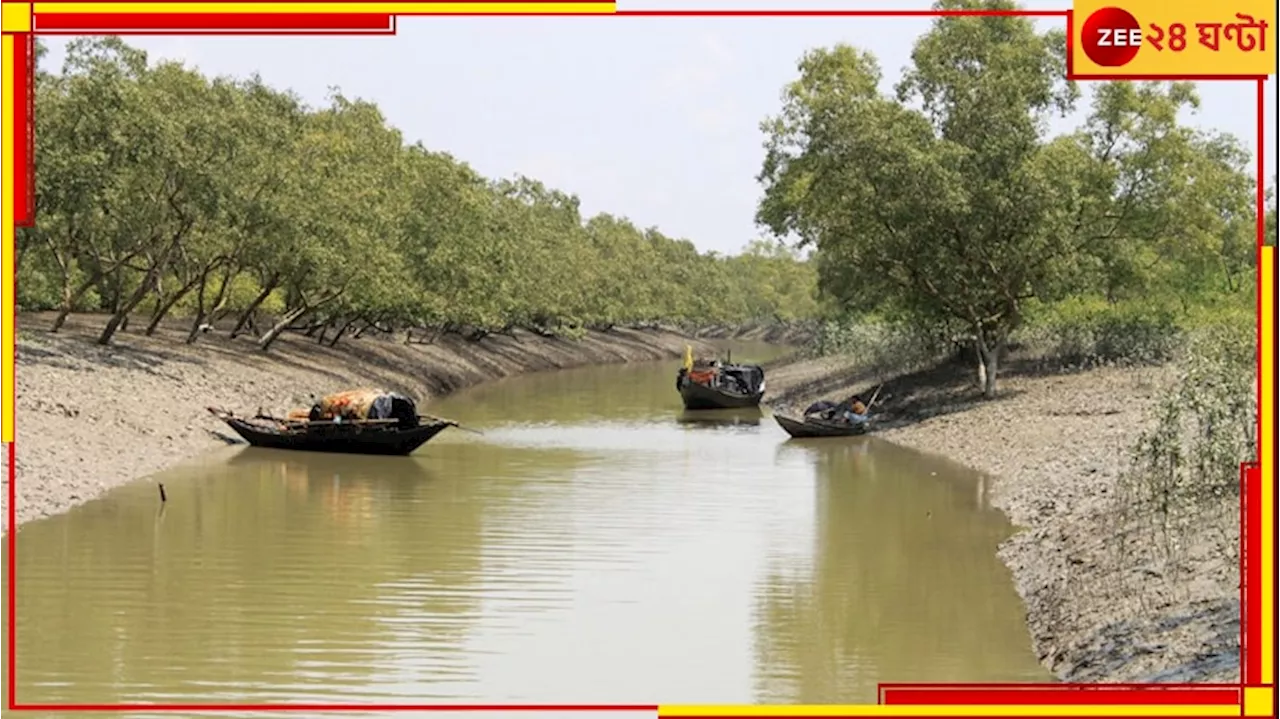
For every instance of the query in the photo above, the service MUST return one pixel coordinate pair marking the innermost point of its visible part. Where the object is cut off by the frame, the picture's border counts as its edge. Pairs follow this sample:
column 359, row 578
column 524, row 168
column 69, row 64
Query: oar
column 873, row 397
column 455, row 424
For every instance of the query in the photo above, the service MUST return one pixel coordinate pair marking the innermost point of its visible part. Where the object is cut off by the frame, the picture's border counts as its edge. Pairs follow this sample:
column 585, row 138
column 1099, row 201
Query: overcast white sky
column 655, row 119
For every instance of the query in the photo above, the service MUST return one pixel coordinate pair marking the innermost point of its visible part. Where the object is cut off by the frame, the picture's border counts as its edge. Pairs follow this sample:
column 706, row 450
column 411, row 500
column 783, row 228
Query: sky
column 655, row 119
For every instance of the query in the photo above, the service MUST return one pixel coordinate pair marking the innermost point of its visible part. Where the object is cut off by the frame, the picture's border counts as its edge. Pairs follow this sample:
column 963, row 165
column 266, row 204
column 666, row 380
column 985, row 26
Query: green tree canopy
column 164, row 191
column 948, row 203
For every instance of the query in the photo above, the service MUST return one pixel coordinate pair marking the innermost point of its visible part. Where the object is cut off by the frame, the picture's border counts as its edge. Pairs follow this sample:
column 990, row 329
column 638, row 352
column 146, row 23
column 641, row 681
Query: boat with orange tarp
column 364, row 421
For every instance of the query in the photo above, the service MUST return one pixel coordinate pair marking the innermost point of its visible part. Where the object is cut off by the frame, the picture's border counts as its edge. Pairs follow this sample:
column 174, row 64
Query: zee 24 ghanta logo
column 1112, row 37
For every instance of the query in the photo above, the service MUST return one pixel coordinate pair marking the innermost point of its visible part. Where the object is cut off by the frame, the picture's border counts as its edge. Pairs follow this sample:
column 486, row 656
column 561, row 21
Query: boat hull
column 700, row 396
column 820, row 428
column 341, row 439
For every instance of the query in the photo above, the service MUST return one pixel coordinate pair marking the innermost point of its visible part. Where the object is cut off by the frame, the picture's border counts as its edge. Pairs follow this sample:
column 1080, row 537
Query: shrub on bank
column 1079, row 332
column 1206, row 423
column 1088, row 332
column 876, row 343
column 1181, row 488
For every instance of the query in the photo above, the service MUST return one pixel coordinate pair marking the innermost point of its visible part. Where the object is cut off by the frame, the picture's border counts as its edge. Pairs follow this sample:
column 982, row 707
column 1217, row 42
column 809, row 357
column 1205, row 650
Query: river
column 596, row 545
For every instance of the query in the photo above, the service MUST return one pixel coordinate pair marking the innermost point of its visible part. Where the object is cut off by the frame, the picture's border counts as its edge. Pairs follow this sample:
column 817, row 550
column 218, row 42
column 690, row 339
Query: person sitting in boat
column 854, row 411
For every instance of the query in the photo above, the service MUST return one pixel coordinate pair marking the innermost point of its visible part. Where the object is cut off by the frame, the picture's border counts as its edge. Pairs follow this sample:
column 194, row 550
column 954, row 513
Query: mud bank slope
column 1106, row 601
column 90, row 418
column 792, row 334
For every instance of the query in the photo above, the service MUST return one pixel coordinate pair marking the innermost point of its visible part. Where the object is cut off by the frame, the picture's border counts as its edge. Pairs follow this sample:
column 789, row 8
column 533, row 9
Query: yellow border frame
column 8, row 294
column 394, row 8
column 390, row 8
column 1267, row 467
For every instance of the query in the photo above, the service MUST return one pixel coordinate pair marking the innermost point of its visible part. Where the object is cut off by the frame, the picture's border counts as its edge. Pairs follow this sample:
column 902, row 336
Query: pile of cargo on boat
column 359, row 421
column 710, row 384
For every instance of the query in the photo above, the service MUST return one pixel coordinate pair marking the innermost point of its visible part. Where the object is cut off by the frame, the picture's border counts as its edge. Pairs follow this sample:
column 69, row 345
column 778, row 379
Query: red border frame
column 891, row 694
column 1074, row 694
column 273, row 23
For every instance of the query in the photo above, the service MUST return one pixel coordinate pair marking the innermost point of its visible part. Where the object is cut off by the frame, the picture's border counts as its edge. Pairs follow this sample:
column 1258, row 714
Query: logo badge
column 1111, row 37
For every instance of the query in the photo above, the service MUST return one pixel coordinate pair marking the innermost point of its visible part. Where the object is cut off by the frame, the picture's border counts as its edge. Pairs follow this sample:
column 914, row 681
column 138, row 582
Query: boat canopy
column 368, row 404
column 749, row 375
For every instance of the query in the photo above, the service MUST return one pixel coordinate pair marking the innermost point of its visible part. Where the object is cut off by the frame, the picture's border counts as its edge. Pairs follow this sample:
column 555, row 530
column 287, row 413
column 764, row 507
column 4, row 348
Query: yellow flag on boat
column 688, row 356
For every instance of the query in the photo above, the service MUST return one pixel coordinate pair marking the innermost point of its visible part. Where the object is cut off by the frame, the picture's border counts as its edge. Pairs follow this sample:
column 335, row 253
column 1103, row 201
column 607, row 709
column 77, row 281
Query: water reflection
column 719, row 418
column 635, row 392
column 271, row 575
column 901, row 583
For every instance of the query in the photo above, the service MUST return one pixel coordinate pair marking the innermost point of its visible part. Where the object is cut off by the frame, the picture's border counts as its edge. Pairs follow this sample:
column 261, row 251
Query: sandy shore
column 91, row 418
column 1105, row 601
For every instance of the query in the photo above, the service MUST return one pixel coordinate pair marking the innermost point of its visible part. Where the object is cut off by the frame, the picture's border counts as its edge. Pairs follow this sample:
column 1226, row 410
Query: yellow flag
column 688, row 356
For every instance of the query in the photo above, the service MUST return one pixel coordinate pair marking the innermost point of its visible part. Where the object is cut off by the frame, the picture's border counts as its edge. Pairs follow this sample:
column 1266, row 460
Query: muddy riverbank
column 1107, row 600
column 90, row 418
column 791, row 334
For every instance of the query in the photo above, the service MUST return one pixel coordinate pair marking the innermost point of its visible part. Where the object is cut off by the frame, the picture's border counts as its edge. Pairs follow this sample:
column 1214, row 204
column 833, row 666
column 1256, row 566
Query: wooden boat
column 721, row 387
column 354, row 422
column 817, row 427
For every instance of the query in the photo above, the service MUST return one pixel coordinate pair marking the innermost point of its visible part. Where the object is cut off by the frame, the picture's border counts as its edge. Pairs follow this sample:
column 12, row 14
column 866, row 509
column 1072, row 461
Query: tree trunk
column 163, row 309
column 69, row 301
column 280, row 326
column 158, row 312
column 63, row 311
column 373, row 325
column 989, row 362
column 120, row 318
column 60, row 320
column 246, row 317
column 67, row 291
column 319, row 327
column 341, row 331
column 992, row 372
column 219, row 300
column 118, row 302
column 201, row 312
column 110, row 289
column 194, row 332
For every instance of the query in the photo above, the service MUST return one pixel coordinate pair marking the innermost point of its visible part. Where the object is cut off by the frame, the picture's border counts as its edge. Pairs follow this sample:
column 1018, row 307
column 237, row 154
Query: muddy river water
column 596, row 545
